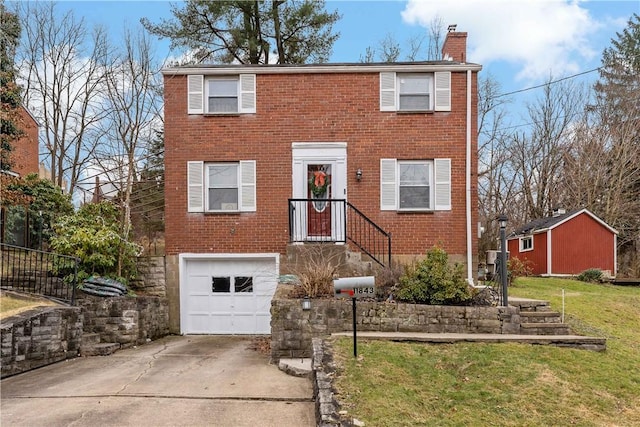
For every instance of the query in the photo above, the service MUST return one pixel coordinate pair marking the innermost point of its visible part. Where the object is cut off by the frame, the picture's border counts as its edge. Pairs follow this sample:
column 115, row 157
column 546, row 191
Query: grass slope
column 470, row 384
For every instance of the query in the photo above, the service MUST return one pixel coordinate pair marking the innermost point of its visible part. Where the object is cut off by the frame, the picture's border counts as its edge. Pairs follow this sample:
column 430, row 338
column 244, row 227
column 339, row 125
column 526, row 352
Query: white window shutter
column 443, row 91
column 195, row 186
column 248, row 185
column 247, row 93
column 387, row 91
column 195, row 94
column 442, row 184
column 388, row 185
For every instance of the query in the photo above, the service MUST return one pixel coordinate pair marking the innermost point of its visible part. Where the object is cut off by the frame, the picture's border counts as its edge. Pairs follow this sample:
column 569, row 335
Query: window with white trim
column 415, row 185
column 221, row 181
column 234, row 94
column 526, row 243
column 222, row 94
column 221, row 187
column 415, row 91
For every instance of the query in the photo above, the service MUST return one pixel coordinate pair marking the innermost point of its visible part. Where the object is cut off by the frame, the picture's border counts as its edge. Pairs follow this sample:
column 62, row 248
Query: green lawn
column 468, row 384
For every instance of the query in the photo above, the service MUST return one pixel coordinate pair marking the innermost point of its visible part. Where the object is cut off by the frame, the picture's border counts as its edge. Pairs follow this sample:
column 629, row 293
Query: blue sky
column 519, row 42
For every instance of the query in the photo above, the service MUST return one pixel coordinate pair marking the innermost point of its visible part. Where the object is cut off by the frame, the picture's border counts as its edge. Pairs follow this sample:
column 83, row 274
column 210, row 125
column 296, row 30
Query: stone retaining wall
column 151, row 276
column 127, row 321
column 39, row 337
column 292, row 328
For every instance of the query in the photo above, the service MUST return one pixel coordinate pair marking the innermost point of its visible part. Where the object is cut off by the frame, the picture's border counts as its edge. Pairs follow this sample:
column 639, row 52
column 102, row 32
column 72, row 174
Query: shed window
column 526, row 243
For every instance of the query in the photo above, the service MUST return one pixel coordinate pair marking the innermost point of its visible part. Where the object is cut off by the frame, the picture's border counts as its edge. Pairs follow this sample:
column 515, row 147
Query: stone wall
column 292, row 328
column 127, row 321
column 40, row 337
column 151, row 276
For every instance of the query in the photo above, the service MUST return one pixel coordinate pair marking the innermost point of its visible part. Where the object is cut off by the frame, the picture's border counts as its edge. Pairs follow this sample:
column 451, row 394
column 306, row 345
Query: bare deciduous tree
column 496, row 190
column 64, row 70
column 134, row 100
column 537, row 156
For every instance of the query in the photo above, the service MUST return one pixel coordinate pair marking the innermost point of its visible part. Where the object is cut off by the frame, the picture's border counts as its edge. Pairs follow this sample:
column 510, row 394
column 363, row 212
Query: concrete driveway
column 175, row 381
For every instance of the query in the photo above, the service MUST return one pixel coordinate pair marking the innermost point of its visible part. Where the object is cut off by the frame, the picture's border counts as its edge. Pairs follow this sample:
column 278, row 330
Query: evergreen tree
column 617, row 125
column 10, row 126
column 248, row 32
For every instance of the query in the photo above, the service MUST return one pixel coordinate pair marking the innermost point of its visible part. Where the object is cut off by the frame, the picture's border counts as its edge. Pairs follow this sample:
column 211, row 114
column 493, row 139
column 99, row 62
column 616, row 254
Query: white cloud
column 540, row 37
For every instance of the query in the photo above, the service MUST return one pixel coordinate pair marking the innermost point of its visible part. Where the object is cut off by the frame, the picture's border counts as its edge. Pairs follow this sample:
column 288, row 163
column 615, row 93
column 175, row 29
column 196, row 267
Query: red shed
column 566, row 243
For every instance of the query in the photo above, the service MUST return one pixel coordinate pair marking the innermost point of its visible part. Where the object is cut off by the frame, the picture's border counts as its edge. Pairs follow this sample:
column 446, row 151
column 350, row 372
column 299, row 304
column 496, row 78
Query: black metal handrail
column 336, row 220
column 369, row 237
column 45, row 273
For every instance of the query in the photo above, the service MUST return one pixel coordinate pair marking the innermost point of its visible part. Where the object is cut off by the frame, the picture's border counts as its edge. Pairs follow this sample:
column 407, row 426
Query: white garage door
column 227, row 294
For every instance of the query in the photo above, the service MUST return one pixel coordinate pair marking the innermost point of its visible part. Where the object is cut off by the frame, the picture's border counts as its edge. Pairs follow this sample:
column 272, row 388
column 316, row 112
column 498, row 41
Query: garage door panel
column 199, row 285
column 199, row 323
column 221, row 324
column 244, row 304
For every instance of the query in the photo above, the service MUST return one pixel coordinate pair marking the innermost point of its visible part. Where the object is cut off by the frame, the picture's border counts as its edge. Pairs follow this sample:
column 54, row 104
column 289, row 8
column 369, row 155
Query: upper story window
column 235, row 94
column 415, row 185
column 526, row 243
column 221, row 187
column 415, row 91
column 222, row 95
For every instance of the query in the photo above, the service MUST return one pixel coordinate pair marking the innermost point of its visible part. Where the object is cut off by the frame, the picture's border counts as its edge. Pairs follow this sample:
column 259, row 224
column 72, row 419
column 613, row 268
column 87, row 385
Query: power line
column 573, row 76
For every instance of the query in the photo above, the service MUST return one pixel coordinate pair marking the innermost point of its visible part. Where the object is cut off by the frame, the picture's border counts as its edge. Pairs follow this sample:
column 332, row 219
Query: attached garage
column 227, row 293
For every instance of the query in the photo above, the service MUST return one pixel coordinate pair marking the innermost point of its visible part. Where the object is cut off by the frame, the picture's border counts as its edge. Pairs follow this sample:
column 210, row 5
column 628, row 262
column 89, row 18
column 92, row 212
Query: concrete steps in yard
column 537, row 318
column 91, row 346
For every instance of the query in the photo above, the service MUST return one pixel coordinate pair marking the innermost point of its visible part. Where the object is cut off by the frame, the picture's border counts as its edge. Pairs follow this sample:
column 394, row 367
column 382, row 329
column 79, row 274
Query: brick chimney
column 454, row 47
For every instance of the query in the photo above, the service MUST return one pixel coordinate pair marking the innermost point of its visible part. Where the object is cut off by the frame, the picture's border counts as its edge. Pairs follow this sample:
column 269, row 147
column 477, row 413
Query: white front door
column 319, row 174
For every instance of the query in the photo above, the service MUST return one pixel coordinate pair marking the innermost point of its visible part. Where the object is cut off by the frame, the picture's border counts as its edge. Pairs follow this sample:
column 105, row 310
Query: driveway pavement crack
column 154, row 357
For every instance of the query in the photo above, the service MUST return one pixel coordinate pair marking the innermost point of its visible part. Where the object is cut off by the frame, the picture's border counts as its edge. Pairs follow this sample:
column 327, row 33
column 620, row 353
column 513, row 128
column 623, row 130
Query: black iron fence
column 336, row 220
column 45, row 273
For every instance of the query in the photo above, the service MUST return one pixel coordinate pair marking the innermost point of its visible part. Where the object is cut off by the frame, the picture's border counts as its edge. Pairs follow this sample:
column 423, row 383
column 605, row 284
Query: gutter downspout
column 468, row 184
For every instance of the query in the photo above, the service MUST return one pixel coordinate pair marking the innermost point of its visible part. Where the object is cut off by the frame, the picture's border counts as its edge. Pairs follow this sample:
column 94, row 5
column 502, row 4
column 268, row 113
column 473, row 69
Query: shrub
column 433, row 281
column 42, row 202
column 591, row 275
column 518, row 268
column 93, row 235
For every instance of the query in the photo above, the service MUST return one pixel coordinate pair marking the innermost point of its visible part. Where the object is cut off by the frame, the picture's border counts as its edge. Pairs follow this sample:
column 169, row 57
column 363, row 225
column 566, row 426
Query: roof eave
column 321, row 69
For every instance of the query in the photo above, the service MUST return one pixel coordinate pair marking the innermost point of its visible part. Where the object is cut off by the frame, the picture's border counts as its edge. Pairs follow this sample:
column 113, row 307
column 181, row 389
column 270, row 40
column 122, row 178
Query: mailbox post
column 354, row 288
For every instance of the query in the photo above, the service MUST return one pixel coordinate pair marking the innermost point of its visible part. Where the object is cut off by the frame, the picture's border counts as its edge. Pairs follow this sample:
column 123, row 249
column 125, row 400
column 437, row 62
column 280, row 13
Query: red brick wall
column 455, row 45
column 25, row 150
column 314, row 108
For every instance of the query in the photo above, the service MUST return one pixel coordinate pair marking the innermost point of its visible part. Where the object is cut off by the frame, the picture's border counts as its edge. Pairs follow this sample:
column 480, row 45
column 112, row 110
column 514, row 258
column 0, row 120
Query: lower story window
column 222, row 187
column 414, row 185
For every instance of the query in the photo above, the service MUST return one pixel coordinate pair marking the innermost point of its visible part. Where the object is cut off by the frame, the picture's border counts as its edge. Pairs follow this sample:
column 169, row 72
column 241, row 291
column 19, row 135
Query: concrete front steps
column 340, row 256
column 91, row 346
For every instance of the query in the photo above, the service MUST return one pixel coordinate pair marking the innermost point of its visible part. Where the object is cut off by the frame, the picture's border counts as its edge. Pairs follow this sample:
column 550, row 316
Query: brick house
column 258, row 158
column 25, row 150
